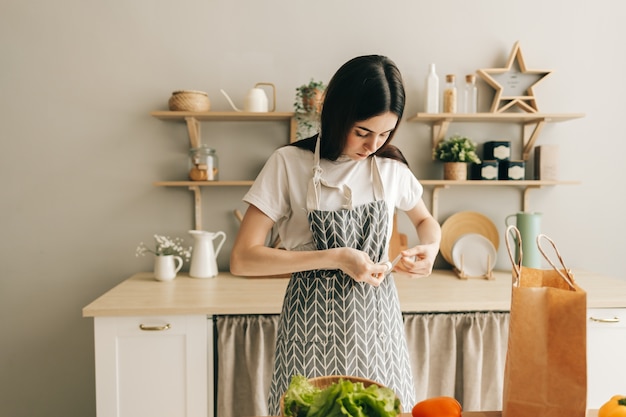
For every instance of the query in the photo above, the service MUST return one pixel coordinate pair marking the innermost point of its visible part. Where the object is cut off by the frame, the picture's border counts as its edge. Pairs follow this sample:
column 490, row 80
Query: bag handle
column 569, row 278
column 517, row 266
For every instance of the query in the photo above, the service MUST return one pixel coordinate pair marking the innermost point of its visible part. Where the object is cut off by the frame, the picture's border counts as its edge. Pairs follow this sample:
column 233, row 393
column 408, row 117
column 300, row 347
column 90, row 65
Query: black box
column 486, row 170
column 498, row 150
column 512, row 170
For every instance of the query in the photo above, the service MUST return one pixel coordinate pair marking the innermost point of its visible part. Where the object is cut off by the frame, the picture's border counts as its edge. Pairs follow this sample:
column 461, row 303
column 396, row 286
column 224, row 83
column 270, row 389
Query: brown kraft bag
column 545, row 373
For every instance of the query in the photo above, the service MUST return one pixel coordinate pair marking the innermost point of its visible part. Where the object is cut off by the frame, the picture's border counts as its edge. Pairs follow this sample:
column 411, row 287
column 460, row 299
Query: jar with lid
column 203, row 164
column 470, row 94
column 449, row 95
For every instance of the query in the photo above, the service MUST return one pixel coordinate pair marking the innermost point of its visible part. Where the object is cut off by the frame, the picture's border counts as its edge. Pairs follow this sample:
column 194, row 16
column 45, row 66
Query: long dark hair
column 363, row 87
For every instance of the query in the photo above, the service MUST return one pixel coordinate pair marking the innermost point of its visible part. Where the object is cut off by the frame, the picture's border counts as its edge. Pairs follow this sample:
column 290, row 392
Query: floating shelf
column 527, row 185
column 533, row 123
column 193, row 118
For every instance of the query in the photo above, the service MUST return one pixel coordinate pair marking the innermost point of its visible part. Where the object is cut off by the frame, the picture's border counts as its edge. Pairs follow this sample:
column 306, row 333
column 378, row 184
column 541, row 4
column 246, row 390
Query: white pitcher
column 166, row 267
column 203, row 255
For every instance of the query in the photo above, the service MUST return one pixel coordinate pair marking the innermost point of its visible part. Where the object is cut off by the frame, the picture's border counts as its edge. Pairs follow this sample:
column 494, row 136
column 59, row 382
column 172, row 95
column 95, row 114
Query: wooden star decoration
column 514, row 84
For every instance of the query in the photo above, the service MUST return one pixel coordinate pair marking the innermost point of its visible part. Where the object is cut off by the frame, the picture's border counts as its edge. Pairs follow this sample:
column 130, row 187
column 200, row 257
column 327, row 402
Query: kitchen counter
column 443, row 291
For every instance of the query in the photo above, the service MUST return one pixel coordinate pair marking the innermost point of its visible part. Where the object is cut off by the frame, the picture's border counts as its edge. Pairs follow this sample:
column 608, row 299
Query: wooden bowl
column 322, row 382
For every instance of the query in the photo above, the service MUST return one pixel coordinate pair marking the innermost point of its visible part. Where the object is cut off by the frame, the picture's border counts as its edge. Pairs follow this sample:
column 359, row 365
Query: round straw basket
column 324, row 381
column 189, row 100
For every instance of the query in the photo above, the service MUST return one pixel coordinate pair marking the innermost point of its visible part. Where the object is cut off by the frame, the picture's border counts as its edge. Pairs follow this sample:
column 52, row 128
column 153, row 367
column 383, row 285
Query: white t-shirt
column 280, row 189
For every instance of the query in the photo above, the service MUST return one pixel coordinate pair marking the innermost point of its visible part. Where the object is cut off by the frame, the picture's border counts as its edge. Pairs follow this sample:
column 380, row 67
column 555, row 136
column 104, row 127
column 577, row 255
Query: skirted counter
column 456, row 329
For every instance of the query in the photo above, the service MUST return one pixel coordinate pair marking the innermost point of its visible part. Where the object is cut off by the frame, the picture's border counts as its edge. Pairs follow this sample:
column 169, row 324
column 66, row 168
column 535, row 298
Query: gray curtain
column 455, row 354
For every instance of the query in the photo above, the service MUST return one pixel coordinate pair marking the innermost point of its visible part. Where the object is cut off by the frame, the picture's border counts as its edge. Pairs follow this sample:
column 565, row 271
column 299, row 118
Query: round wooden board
column 462, row 223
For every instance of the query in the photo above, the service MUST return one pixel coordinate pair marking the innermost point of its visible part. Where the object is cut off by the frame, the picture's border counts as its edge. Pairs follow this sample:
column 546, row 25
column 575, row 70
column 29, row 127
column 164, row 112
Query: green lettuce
column 341, row 399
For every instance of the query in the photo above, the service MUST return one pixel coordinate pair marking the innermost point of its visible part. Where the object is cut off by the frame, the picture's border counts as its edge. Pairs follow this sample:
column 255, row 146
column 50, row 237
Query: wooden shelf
column 527, row 185
column 494, row 117
column 533, row 123
column 193, row 120
column 224, row 116
column 235, row 183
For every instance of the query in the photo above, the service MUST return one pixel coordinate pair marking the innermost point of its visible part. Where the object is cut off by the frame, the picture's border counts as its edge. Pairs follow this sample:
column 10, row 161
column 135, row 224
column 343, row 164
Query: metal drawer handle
column 154, row 328
column 615, row 319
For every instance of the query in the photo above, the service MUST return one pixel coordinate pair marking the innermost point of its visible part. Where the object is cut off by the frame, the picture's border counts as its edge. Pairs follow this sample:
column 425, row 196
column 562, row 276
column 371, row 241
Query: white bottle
column 470, row 94
column 432, row 91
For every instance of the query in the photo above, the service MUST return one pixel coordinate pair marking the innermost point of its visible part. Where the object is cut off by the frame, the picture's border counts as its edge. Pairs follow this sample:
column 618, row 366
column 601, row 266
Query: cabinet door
column 151, row 366
column 606, row 344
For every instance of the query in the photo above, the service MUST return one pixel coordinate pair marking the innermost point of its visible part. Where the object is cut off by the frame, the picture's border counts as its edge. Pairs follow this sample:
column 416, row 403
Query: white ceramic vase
column 166, row 267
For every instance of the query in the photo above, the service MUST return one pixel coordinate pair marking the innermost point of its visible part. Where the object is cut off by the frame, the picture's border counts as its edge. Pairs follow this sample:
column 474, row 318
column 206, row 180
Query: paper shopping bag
column 545, row 373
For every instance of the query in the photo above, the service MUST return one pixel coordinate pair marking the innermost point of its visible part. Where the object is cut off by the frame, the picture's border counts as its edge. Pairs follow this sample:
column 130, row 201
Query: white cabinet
column 606, row 344
column 152, row 366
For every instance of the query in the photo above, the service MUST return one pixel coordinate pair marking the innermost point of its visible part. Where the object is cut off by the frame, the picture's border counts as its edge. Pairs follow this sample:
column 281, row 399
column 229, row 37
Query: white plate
column 474, row 255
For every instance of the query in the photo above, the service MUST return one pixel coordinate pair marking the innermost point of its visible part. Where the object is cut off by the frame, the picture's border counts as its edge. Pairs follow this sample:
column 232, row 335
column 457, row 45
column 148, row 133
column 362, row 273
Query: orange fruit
column 437, row 407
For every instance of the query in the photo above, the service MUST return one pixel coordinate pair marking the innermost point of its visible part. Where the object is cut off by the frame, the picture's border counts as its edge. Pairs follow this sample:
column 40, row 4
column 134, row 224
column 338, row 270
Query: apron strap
column 314, row 187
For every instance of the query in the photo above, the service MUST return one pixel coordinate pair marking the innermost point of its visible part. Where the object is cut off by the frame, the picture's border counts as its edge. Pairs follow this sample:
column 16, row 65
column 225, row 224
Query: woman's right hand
column 358, row 265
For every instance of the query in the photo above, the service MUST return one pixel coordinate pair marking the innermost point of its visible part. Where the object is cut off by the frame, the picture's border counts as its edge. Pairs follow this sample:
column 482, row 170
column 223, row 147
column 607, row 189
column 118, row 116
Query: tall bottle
column 449, row 95
column 432, row 91
column 470, row 94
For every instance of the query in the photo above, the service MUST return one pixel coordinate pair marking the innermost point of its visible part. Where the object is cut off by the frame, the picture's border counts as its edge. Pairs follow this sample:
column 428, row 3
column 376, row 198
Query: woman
column 333, row 198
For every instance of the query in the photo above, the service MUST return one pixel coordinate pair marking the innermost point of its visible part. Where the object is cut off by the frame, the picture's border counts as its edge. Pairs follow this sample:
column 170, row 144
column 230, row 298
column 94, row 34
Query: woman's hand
column 418, row 261
column 358, row 265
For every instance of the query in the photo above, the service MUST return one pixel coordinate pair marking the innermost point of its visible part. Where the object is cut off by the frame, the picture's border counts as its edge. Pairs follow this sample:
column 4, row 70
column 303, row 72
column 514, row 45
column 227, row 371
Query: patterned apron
column 332, row 325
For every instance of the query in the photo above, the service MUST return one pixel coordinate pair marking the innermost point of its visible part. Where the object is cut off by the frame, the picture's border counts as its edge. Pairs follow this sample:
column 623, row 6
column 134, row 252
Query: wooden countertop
column 590, row 413
column 141, row 294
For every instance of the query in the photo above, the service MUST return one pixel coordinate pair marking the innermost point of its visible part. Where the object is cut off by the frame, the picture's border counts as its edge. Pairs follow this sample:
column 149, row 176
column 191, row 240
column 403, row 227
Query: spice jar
column 449, row 95
column 203, row 164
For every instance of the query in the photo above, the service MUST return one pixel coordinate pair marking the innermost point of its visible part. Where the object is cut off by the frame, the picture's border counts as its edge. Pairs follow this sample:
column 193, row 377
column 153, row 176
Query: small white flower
column 165, row 246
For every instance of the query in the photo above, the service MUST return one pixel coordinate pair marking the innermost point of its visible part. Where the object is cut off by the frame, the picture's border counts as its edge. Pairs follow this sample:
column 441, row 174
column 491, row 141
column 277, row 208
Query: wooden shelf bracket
column 197, row 206
column 435, row 200
column 531, row 133
column 193, row 128
column 440, row 128
column 526, row 196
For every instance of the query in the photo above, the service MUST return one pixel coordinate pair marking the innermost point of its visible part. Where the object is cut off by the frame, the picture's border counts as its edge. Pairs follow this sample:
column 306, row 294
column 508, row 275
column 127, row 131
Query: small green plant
column 456, row 149
column 307, row 106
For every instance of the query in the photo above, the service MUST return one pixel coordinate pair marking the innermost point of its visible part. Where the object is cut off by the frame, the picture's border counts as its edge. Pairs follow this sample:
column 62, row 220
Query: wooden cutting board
column 398, row 241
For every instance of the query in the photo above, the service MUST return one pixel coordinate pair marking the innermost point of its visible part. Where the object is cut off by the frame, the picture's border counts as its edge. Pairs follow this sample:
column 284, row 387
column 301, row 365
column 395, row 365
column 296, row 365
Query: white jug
column 203, row 255
column 166, row 267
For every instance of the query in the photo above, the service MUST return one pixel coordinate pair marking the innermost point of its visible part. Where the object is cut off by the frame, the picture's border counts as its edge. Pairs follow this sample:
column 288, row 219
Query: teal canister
column 529, row 226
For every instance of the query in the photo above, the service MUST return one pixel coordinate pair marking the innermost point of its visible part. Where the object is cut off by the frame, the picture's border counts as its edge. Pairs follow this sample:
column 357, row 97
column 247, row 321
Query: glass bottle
column 449, row 95
column 470, row 94
column 432, row 91
column 203, row 164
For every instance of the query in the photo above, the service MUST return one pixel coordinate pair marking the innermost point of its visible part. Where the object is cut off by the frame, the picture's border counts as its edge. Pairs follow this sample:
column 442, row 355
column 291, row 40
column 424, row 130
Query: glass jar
column 470, row 94
column 203, row 164
column 449, row 95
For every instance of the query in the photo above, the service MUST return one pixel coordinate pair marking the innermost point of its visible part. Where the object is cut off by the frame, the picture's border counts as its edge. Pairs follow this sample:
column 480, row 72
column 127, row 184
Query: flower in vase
column 165, row 246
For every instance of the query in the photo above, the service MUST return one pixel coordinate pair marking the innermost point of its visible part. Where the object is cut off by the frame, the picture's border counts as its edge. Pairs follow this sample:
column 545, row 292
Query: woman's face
column 368, row 135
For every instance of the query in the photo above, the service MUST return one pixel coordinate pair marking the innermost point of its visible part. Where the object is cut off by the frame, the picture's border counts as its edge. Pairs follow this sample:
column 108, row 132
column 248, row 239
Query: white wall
column 80, row 151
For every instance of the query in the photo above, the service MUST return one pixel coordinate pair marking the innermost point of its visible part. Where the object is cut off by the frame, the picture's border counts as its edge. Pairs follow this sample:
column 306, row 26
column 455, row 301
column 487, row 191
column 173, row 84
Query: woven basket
column 189, row 100
column 325, row 381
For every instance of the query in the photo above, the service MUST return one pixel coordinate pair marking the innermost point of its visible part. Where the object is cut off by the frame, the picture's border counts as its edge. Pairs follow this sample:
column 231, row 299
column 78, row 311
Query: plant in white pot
column 456, row 152
column 308, row 106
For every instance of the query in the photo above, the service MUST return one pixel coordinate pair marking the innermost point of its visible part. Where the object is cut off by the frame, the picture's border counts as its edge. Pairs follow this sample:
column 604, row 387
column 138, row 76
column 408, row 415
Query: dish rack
column 462, row 275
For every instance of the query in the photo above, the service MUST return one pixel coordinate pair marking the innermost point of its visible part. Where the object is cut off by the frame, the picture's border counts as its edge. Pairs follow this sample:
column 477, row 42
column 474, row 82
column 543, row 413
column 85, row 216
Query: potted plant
column 169, row 256
column 456, row 152
column 308, row 106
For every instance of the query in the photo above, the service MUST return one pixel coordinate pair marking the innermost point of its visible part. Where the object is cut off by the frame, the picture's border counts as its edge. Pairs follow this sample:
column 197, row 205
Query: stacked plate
column 469, row 241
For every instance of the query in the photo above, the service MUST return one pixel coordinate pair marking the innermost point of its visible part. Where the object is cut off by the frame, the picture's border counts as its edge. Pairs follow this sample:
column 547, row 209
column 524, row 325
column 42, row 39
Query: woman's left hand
column 418, row 261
